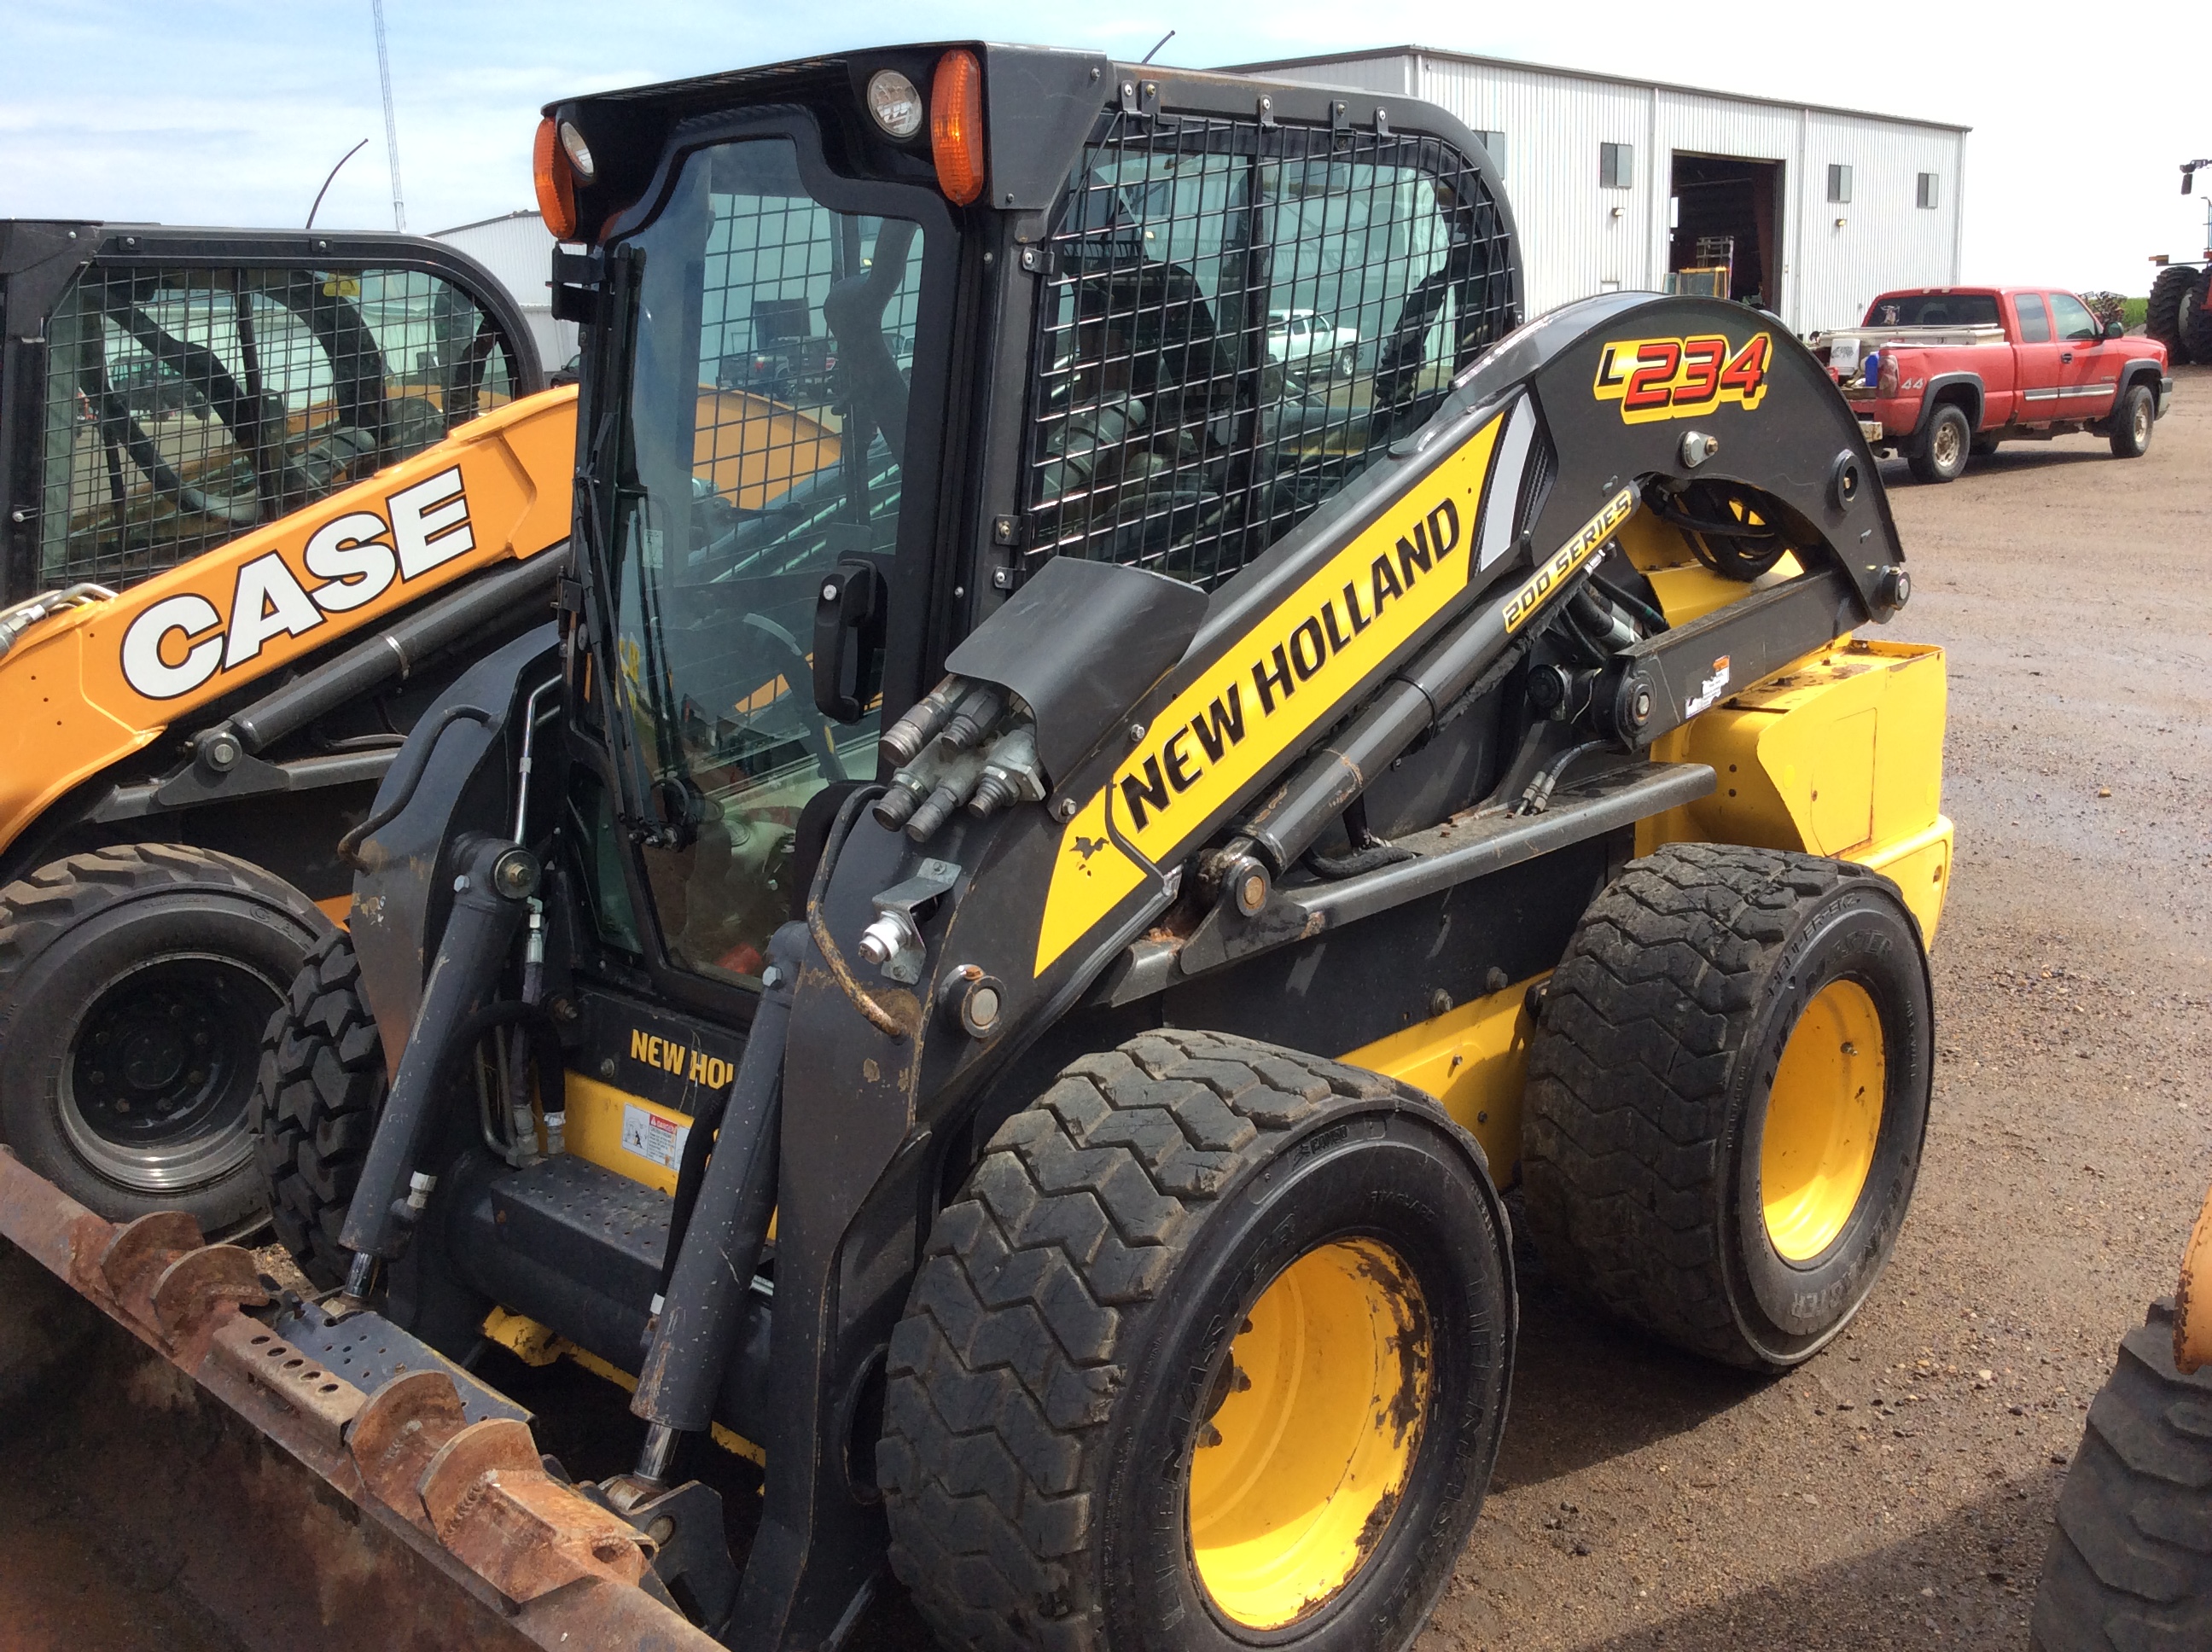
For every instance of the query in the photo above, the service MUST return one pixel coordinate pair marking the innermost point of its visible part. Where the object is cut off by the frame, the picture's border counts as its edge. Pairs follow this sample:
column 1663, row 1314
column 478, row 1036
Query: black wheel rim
column 159, row 1068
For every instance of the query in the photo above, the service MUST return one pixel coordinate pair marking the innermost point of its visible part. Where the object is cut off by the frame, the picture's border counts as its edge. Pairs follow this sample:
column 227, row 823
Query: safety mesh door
column 1234, row 320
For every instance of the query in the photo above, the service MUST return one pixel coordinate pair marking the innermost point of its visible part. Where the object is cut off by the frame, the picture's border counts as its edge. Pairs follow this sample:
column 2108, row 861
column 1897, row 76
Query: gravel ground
column 1898, row 1491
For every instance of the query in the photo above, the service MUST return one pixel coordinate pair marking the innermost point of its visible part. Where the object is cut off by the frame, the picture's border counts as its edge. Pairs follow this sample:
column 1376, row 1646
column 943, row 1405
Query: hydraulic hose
column 470, row 956
column 424, row 742
column 700, row 1317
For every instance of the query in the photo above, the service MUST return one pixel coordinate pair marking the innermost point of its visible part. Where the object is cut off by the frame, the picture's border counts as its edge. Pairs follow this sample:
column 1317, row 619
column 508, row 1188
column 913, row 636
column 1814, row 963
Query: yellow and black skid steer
column 994, row 990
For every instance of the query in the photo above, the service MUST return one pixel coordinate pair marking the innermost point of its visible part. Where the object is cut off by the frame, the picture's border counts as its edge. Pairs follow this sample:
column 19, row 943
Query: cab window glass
column 2034, row 323
column 774, row 351
column 184, row 407
column 2076, row 323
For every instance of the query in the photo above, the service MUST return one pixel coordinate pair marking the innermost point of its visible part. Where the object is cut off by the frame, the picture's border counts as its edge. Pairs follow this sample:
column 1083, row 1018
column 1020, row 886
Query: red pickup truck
column 1938, row 373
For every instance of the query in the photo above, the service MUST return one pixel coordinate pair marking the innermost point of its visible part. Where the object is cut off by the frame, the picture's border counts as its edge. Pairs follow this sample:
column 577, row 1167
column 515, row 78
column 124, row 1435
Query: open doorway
column 1724, row 215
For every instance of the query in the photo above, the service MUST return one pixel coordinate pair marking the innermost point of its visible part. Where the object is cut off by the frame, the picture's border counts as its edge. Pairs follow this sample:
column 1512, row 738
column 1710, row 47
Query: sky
column 224, row 112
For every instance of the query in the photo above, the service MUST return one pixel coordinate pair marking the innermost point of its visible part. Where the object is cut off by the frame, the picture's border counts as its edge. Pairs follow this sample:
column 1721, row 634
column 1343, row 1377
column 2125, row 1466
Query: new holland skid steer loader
column 264, row 496
column 996, row 989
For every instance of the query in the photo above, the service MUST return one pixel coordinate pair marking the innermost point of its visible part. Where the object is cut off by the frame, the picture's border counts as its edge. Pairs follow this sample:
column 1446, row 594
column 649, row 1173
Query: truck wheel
column 316, row 1095
column 2162, row 316
column 2132, row 421
column 1211, row 1351
column 1726, row 1098
column 2129, row 1564
column 134, row 985
column 1939, row 453
column 2196, row 320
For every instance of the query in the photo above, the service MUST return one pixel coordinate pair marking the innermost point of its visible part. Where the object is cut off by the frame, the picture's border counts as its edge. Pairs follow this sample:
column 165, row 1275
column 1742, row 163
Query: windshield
column 768, row 416
column 1934, row 310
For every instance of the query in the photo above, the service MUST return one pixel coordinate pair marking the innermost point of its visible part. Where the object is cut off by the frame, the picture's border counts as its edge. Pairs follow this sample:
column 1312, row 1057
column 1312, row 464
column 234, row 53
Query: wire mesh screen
column 185, row 406
column 1235, row 319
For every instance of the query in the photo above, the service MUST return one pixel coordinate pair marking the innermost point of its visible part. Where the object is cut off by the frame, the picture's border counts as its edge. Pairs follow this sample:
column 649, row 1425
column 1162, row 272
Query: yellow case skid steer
column 991, row 967
column 264, row 493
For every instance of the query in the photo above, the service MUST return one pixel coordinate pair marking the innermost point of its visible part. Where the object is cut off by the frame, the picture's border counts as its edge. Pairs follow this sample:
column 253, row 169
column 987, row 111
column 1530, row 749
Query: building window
column 1493, row 144
column 1929, row 190
column 1616, row 165
column 1839, row 186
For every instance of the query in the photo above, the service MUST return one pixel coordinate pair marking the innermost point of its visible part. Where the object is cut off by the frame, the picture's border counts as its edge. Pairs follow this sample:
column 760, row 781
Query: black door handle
column 2066, row 355
column 848, row 632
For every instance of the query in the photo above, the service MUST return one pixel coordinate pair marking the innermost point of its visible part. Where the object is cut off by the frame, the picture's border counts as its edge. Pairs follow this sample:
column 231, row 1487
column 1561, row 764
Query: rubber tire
column 316, row 1099
column 1920, row 453
column 1053, row 1359
column 1645, row 1109
column 2129, row 1564
column 1982, row 446
column 69, row 926
column 2196, row 321
column 2123, row 438
column 2162, row 316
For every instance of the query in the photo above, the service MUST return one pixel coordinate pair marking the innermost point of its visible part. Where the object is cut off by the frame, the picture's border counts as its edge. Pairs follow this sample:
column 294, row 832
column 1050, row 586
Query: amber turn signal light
column 556, row 182
column 955, row 126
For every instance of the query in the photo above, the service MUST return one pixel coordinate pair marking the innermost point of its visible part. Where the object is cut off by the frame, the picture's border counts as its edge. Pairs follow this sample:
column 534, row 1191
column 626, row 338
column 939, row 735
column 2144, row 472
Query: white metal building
column 519, row 249
column 1615, row 183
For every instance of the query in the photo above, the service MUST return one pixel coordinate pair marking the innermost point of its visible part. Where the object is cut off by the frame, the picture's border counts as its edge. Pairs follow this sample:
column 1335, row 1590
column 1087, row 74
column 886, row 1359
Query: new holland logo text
column 1174, row 764
column 1297, row 664
column 1567, row 558
column 181, row 642
column 1680, row 377
column 669, row 1056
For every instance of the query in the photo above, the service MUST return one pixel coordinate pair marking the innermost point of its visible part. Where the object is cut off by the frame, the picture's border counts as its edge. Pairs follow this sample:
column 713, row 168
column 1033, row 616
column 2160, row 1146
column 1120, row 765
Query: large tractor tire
column 2162, row 316
column 318, row 1089
column 135, row 982
column 2196, row 320
column 1211, row 1351
column 1726, row 1098
column 2129, row 1566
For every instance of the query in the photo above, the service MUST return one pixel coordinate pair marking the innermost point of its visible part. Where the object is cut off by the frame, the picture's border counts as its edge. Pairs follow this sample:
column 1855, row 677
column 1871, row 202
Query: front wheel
column 1212, row 1351
column 1726, row 1098
column 135, row 982
column 1939, row 454
column 2132, row 422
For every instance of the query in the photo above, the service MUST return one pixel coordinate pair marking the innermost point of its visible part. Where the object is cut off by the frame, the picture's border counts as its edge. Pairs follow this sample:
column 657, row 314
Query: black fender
column 2146, row 370
column 455, row 775
column 1976, row 400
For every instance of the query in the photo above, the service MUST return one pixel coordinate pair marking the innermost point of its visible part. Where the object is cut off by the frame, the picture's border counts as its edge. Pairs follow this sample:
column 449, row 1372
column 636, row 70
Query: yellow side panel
column 1840, row 755
column 1472, row 1059
column 594, row 1130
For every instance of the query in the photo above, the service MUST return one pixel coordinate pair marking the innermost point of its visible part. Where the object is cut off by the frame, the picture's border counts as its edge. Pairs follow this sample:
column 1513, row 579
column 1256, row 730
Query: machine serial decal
column 1657, row 379
column 179, row 642
column 1299, row 665
column 1567, row 558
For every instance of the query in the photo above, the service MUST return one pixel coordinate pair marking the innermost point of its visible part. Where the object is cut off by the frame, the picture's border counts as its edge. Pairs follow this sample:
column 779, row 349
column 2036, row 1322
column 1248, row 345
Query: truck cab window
column 2076, row 323
column 2034, row 323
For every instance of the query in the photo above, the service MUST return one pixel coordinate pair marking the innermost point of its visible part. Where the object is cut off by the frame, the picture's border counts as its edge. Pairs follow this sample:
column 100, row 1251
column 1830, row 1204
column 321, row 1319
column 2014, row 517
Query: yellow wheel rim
column 1295, row 1476
column 1822, row 1117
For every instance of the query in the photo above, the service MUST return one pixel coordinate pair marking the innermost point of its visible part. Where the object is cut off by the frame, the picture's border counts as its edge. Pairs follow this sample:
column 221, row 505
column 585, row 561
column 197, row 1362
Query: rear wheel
column 1211, row 1351
column 2162, row 317
column 135, row 982
column 2129, row 1564
column 316, row 1096
column 2132, row 423
column 1726, row 1098
column 1939, row 452
column 2196, row 320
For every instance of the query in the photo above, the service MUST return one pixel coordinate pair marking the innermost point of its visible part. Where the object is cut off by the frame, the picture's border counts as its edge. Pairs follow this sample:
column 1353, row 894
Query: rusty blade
column 63, row 1237
column 397, row 1432
column 187, row 1292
